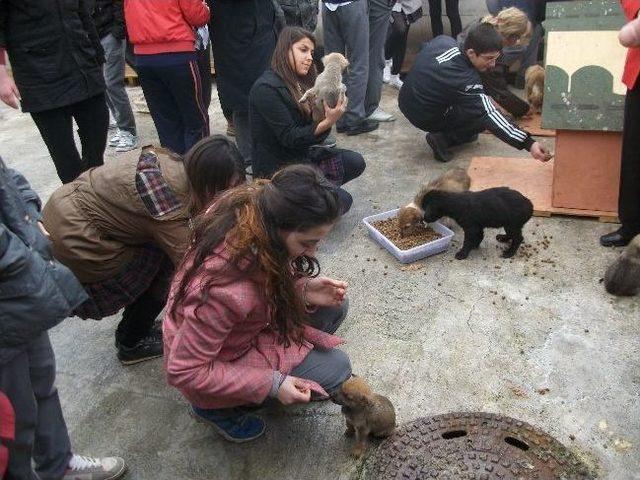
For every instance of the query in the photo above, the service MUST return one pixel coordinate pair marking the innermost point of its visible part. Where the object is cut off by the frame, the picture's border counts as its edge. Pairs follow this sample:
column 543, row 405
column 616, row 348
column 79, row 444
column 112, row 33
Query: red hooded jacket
column 164, row 26
column 632, row 65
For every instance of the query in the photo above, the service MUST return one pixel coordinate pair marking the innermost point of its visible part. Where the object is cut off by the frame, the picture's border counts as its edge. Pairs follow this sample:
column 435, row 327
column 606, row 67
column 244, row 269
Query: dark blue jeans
column 176, row 103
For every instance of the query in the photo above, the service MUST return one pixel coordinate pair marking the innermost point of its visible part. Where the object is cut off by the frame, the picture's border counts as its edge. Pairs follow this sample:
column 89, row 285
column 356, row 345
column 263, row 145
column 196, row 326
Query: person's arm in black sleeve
column 118, row 20
column 478, row 104
column 289, row 132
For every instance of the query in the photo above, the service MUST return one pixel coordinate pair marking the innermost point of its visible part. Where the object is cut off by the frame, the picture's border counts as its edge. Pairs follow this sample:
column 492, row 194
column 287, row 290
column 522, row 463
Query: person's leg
column 328, row 368
column 454, row 17
column 328, row 319
column 629, row 200
column 41, row 433
column 185, row 85
column 354, row 30
column 353, row 164
column 56, row 129
column 163, row 108
column 204, row 65
column 530, row 55
column 117, row 98
column 495, row 85
column 493, row 6
column 435, row 15
column 243, row 134
column 400, row 33
column 379, row 14
column 92, row 118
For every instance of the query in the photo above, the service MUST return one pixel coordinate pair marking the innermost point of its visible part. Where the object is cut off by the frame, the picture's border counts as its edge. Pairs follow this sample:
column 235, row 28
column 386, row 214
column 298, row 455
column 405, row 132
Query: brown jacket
column 97, row 221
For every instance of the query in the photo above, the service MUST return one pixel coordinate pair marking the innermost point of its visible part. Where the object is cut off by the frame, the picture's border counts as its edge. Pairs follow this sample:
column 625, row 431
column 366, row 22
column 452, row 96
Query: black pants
column 629, row 201
column 396, row 45
column 139, row 317
column 175, row 99
column 353, row 164
column 435, row 13
column 495, row 85
column 56, row 128
column 204, row 64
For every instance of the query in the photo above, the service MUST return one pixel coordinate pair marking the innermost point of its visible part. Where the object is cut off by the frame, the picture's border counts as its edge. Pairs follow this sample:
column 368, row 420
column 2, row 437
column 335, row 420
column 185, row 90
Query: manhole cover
column 480, row 446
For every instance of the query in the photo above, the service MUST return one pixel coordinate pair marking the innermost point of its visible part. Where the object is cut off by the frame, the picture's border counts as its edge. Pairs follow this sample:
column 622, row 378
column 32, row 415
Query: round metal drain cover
column 479, row 446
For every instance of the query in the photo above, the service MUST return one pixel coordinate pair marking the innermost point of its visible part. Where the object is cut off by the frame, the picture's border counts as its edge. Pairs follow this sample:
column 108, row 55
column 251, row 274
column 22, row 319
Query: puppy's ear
column 325, row 59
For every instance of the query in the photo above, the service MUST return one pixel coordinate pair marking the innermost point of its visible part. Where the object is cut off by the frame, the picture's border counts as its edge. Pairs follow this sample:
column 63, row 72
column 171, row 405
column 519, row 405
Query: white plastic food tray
column 415, row 253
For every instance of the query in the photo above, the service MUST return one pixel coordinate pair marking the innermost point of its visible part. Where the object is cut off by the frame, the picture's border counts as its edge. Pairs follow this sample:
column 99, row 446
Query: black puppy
column 475, row 211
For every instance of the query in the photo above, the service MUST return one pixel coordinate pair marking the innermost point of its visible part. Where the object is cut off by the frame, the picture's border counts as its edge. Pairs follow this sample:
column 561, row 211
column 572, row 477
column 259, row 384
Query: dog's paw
column 461, row 255
column 357, row 452
column 508, row 253
column 501, row 237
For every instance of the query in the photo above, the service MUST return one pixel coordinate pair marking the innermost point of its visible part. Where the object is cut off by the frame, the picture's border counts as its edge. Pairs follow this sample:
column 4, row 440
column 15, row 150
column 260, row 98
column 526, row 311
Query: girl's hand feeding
column 325, row 292
column 294, row 390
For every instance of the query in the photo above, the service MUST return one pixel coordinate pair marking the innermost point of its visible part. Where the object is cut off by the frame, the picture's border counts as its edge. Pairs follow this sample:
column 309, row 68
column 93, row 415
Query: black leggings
column 396, row 45
column 56, row 128
column 435, row 12
column 353, row 164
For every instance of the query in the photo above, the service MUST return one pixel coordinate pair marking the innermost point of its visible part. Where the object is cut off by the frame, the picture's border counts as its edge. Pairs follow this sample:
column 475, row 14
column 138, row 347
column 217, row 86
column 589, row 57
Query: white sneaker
column 386, row 73
column 395, row 81
column 128, row 141
column 380, row 115
column 87, row 468
column 115, row 139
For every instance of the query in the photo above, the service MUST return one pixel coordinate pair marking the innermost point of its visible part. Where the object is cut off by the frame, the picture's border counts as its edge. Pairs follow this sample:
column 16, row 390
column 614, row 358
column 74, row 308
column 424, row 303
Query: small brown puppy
column 365, row 413
column 454, row 180
column 328, row 86
column 623, row 276
column 534, row 87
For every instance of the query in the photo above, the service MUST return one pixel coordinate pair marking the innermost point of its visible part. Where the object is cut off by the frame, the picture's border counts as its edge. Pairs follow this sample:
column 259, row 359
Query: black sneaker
column 146, row 349
column 363, row 127
column 328, row 142
column 438, row 144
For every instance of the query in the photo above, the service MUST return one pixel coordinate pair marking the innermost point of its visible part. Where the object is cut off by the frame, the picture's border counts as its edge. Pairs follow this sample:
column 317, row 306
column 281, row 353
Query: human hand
column 325, row 292
column 540, row 152
column 294, row 390
column 332, row 115
column 8, row 90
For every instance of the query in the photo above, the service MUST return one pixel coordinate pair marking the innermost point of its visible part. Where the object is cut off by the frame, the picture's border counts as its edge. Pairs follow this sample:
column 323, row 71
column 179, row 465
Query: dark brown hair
column 212, row 165
column 249, row 220
column 281, row 64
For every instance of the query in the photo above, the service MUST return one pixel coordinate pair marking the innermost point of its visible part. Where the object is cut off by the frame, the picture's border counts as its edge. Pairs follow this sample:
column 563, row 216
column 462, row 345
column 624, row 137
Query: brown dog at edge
column 534, row 87
column 365, row 412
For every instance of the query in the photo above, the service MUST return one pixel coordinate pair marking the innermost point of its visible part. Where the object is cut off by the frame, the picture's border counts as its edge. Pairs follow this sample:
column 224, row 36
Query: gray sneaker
column 127, row 142
column 380, row 115
column 87, row 468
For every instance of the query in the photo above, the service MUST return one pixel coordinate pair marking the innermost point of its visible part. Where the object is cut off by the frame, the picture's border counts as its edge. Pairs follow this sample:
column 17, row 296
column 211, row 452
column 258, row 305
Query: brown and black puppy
column 454, row 180
column 623, row 276
column 365, row 412
column 534, row 87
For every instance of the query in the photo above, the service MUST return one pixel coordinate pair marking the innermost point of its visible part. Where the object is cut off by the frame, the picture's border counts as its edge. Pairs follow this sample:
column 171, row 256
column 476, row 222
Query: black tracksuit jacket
column 443, row 92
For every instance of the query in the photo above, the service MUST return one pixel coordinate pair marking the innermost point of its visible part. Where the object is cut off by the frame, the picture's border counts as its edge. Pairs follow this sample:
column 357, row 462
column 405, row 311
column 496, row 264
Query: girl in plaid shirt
column 248, row 317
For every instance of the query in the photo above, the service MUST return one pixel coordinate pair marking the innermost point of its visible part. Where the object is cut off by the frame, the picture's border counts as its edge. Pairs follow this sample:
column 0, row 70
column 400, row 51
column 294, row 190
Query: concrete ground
column 440, row 335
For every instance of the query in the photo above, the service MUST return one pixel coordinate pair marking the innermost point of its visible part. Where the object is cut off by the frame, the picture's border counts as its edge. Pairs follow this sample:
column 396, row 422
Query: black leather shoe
column 614, row 239
column 438, row 144
column 363, row 127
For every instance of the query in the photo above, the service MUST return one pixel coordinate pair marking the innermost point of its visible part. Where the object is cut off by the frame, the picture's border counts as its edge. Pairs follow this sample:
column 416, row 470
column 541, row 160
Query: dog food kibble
column 418, row 235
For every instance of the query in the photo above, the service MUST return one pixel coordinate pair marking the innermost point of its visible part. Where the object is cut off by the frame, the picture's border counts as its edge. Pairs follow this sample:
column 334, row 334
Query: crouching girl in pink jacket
column 249, row 318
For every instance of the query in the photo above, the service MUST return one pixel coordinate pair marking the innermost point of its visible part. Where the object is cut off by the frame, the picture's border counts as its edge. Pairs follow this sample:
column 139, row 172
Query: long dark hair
column 249, row 219
column 282, row 66
column 212, row 165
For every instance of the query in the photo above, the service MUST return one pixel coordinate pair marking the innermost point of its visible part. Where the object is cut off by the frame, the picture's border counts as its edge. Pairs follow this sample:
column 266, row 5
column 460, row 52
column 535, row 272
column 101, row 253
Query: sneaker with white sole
column 128, row 141
column 115, row 139
column 395, row 81
column 380, row 115
column 87, row 468
column 386, row 73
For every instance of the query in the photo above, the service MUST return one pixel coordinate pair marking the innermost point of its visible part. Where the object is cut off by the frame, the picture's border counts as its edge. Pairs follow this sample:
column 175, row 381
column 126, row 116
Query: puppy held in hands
column 475, row 211
column 534, row 87
column 623, row 276
column 328, row 86
column 454, row 180
column 365, row 412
